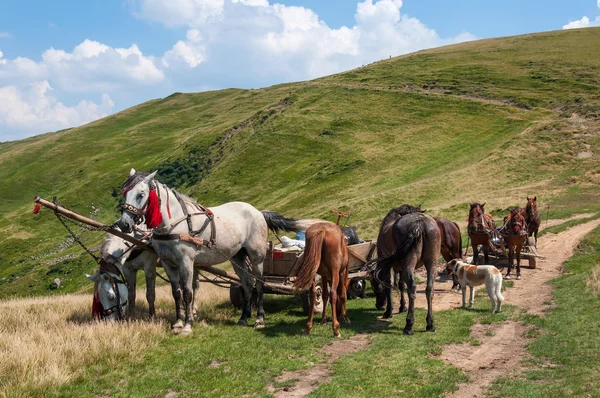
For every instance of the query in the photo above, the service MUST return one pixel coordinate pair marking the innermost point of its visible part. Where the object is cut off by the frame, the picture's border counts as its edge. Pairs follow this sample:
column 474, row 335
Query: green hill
column 492, row 120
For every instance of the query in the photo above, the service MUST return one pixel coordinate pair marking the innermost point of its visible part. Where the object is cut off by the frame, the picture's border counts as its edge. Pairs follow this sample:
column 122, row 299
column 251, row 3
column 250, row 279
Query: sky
column 66, row 63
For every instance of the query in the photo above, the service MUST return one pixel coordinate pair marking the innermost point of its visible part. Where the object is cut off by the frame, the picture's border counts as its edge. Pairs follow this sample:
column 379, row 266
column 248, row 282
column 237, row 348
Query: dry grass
column 48, row 341
column 593, row 280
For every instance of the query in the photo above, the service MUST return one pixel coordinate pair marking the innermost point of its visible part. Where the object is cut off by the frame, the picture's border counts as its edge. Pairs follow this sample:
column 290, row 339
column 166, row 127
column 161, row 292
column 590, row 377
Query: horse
column 515, row 234
column 532, row 217
column 451, row 243
column 187, row 235
column 407, row 239
column 326, row 253
column 481, row 227
column 110, row 293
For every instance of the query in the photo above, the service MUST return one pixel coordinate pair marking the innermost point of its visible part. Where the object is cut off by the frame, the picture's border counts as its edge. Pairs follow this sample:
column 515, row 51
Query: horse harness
column 191, row 236
column 110, row 269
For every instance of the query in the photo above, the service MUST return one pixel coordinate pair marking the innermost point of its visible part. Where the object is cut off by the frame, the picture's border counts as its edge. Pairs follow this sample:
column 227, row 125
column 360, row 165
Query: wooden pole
column 74, row 216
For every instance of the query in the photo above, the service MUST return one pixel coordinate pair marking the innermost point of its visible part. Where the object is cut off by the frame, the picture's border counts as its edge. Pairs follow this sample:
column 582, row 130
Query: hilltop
column 492, row 120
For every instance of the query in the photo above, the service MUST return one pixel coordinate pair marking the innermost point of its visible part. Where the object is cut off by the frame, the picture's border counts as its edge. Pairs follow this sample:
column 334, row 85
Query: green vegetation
column 565, row 353
column 493, row 120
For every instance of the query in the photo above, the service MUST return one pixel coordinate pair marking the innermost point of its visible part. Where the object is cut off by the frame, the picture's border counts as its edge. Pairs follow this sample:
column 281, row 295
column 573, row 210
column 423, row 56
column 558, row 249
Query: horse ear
column 483, row 204
column 131, row 172
column 150, row 176
column 91, row 277
column 534, row 198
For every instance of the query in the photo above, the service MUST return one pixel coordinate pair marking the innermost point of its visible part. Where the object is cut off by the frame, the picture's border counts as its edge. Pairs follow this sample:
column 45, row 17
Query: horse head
column 141, row 201
column 477, row 219
column 109, row 292
column 516, row 221
column 531, row 207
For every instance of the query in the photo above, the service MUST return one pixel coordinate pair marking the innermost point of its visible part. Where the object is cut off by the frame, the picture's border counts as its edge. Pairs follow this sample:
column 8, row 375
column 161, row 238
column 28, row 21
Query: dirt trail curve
column 502, row 346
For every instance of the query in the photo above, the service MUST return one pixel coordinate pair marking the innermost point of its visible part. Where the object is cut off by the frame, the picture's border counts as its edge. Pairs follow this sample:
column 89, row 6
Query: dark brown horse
column 532, row 217
column 481, row 227
column 326, row 253
column 451, row 243
column 407, row 239
column 515, row 235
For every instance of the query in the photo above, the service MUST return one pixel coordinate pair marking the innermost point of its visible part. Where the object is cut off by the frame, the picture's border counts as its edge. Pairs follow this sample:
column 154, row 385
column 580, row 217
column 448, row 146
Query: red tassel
column 36, row 209
column 153, row 214
column 97, row 308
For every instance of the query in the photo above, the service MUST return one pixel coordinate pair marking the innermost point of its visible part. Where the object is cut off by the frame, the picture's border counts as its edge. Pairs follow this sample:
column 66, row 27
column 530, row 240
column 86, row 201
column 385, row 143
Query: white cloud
column 181, row 12
column 5, row 35
column 34, row 109
column 584, row 22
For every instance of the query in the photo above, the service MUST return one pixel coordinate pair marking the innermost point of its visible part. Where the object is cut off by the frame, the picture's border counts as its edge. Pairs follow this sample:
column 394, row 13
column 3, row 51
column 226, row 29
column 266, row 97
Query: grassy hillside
column 492, row 120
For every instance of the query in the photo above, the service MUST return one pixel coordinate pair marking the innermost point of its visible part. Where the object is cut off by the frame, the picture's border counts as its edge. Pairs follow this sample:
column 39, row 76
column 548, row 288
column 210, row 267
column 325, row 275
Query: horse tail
column 408, row 241
column 277, row 222
column 460, row 246
column 310, row 262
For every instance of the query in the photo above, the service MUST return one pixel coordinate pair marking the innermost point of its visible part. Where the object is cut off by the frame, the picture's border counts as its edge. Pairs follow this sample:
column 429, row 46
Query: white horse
column 110, row 295
column 187, row 235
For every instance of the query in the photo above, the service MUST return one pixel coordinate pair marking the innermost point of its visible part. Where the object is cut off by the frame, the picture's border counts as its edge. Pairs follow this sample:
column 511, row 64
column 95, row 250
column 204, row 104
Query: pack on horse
column 407, row 239
column 326, row 254
column 188, row 235
column 532, row 217
column 481, row 228
column 515, row 235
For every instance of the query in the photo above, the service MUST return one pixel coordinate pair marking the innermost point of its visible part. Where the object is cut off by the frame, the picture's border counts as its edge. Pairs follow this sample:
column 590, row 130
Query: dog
column 473, row 275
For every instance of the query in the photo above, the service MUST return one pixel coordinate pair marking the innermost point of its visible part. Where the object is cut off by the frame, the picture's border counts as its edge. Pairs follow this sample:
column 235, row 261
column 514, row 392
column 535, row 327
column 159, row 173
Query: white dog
column 473, row 275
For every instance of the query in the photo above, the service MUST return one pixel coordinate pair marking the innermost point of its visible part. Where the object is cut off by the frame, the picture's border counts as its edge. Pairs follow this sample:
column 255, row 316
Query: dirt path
column 545, row 223
column 502, row 346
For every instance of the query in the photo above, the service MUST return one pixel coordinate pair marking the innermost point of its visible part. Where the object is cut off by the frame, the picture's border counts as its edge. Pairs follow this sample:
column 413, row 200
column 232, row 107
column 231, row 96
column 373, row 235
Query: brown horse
column 532, row 217
column 407, row 239
column 515, row 235
column 481, row 227
column 326, row 253
column 451, row 243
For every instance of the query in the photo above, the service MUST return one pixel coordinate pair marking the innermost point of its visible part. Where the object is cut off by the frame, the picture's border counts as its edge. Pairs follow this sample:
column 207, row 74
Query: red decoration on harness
column 153, row 214
column 36, row 209
column 97, row 307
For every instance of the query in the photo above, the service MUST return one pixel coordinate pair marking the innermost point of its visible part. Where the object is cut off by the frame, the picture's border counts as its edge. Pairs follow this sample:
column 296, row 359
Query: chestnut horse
column 326, row 253
column 515, row 234
column 407, row 239
column 451, row 243
column 481, row 227
column 532, row 217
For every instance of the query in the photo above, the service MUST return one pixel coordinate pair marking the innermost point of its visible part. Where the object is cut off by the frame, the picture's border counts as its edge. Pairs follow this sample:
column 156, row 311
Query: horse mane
column 474, row 205
column 398, row 212
column 133, row 180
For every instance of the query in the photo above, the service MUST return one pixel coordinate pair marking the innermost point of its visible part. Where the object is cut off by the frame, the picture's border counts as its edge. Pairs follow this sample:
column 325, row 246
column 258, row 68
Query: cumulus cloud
column 34, row 109
column 584, row 22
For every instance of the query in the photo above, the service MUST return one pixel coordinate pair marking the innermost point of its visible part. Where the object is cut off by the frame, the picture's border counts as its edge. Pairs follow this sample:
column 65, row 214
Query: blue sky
column 65, row 63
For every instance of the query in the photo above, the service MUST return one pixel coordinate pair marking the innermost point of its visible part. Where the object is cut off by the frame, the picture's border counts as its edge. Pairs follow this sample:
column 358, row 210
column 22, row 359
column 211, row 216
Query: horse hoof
column 402, row 309
column 518, row 277
column 430, row 328
column 242, row 322
column 306, row 332
column 259, row 324
column 387, row 315
column 506, row 277
column 186, row 331
column 338, row 335
column 177, row 325
column 380, row 308
column 408, row 332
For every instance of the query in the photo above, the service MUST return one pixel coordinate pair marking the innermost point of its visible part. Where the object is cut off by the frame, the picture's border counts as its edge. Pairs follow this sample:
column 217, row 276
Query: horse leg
column 402, row 299
column 325, row 297
column 186, row 276
column 131, row 278
column 195, row 286
column 429, row 293
column 518, row 262
column 486, row 252
column 150, row 273
column 173, row 274
column 407, row 276
column 239, row 263
column 335, row 280
column 343, row 295
column 510, row 259
column 256, row 258
column 312, row 296
column 387, row 290
column 475, row 253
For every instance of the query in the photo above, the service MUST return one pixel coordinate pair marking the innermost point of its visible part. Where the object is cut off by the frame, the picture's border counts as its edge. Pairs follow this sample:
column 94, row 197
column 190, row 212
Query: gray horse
column 188, row 235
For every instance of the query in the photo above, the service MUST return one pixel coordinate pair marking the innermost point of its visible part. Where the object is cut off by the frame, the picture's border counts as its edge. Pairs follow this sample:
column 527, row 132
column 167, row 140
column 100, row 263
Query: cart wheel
column 236, row 295
column 532, row 262
column 318, row 302
column 356, row 288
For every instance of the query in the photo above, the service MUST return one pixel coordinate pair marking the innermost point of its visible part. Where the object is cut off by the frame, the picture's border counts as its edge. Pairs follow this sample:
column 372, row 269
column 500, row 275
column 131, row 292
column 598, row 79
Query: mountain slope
column 491, row 120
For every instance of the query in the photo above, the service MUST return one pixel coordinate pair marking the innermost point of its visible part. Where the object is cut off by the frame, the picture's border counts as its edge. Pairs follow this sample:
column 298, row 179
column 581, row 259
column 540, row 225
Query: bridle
column 109, row 269
column 139, row 214
column 475, row 228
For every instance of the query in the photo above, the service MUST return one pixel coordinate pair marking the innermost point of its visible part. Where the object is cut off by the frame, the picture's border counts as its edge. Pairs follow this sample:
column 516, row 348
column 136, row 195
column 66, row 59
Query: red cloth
column 153, row 214
column 97, row 307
